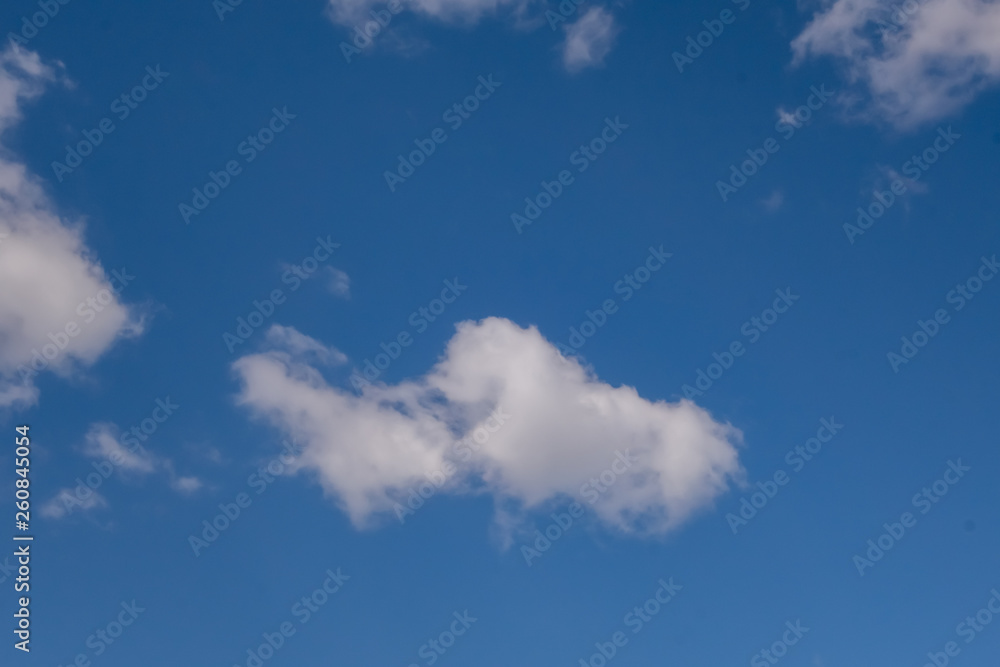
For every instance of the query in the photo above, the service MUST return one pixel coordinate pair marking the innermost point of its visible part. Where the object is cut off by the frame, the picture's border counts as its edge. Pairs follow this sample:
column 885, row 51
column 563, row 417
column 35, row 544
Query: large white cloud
column 561, row 427
column 46, row 269
column 917, row 61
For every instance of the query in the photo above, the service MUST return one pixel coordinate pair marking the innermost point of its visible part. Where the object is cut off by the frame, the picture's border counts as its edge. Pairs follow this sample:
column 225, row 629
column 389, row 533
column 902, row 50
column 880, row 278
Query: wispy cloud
column 66, row 501
column 114, row 453
column 589, row 39
column 302, row 346
column 338, row 282
column 915, row 66
column 350, row 12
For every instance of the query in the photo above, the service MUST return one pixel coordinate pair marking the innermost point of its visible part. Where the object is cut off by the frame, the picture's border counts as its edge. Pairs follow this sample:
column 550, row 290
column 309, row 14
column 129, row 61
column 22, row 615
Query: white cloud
column 589, row 39
column 101, row 442
column 339, row 283
column 186, row 485
column 46, row 269
column 302, row 346
column 915, row 67
column 65, row 502
column 113, row 453
column 788, row 117
column 564, row 427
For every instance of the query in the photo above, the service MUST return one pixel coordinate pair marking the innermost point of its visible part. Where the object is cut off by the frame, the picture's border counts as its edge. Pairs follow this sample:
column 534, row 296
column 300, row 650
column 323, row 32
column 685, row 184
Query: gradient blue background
column 323, row 176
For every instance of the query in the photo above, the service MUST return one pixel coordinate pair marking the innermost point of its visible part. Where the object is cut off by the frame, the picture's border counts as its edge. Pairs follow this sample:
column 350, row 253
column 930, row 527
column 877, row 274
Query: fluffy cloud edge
column 926, row 60
column 47, row 322
column 559, row 426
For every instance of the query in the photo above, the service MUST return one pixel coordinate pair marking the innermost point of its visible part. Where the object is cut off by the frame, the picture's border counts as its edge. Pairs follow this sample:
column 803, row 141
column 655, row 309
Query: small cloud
column 339, row 283
column 183, row 484
column 186, row 485
column 102, row 443
column 880, row 187
column 206, row 452
column 774, row 201
column 589, row 40
column 113, row 452
column 890, row 175
column 403, row 41
column 67, row 500
column 788, row 117
column 302, row 346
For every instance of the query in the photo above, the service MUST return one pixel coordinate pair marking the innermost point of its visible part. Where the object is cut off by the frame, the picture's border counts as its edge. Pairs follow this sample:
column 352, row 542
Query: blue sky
column 680, row 317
